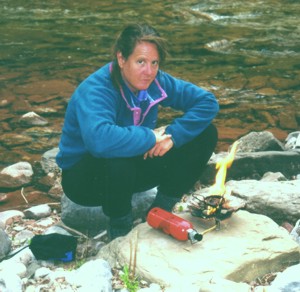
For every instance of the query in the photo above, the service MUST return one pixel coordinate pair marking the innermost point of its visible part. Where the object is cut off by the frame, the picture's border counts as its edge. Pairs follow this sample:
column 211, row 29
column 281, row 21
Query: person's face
column 141, row 67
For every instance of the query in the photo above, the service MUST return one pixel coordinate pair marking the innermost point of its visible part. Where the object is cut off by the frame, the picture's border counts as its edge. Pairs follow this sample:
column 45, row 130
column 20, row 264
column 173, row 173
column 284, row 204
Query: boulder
column 16, row 175
column 246, row 247
column 253, row 165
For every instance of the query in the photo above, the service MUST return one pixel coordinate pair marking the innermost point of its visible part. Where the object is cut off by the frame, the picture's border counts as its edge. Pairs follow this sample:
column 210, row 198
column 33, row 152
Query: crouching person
column 111, row 146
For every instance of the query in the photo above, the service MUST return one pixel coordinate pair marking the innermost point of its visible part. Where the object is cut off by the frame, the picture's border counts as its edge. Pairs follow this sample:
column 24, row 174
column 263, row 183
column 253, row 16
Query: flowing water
column 247, row 53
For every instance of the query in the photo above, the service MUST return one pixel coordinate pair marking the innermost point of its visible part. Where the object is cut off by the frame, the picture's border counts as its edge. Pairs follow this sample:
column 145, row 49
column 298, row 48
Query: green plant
column 128, row 277
column 129, row 280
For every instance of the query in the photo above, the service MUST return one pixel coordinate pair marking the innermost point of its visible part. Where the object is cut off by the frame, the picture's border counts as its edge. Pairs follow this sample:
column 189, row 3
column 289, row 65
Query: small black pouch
column 54, row 246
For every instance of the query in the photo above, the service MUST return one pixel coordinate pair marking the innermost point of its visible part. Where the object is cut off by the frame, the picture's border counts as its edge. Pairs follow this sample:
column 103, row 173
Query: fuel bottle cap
column 194, row 236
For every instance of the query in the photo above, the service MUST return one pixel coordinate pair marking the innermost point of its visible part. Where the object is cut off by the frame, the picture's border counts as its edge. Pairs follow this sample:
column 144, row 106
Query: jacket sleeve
column 96, row 112
column 198, row 105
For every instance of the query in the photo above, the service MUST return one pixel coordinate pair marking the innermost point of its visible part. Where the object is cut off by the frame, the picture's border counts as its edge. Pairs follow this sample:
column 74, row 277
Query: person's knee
column 120, row 165
column 212, row 133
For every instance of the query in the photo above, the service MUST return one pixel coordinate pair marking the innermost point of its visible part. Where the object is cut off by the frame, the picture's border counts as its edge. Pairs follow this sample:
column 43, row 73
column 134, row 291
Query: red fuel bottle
column 173, row 225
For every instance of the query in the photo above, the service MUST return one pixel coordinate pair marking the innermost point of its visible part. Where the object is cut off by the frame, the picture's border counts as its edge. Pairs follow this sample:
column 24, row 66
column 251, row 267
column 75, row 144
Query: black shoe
column 120, row 226
column 165, row 202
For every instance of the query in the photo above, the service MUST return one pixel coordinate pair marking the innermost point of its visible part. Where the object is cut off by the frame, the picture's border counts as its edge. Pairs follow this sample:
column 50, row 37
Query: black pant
column 111, row 182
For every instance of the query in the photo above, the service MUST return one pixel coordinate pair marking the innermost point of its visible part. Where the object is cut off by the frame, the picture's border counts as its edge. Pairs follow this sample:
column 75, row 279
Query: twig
column 61, row 224
column 22, row 193
column 134, row 255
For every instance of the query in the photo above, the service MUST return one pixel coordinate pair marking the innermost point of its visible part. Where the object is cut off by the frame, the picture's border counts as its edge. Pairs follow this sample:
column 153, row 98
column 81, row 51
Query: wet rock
column 3, row 198
column 5, row 103
column 16, row 175
column 236, row 82
column 32, row 119
column 46, row 88
column 21, row 105
column 40, row 146
column 267, row 91
column 38, row 132
column 217, row 45
column 229, row 133
column 49, row 111
column 288, row 120
column 9, row 157
column 284, row 83
column 12, row 140
column 267, row 117
column 257, row 82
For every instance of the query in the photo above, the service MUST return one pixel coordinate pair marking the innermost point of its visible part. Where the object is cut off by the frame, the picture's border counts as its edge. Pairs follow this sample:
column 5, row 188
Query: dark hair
column 127, row 41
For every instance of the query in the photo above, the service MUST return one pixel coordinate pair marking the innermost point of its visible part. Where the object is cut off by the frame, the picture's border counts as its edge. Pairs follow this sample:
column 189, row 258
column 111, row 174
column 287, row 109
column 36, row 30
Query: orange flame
column 218, row 188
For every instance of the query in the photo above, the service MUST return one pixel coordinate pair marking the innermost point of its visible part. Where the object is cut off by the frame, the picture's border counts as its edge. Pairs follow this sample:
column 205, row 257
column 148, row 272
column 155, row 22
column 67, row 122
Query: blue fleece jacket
column 109, row 122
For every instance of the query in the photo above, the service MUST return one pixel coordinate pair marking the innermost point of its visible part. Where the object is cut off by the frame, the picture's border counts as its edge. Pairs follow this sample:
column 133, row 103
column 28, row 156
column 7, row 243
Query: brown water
column 248, row 54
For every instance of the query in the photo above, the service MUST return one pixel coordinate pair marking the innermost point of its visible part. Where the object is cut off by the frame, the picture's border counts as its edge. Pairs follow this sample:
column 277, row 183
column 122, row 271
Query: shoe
column 165, row 202
column 120, row 226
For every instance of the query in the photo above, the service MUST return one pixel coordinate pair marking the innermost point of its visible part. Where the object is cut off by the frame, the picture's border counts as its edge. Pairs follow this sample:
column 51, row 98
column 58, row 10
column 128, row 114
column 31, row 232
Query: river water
column 247, row 53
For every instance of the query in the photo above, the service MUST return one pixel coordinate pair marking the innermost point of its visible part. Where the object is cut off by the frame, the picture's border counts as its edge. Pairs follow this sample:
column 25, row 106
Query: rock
column 9, row 281
column 17, row 267
column 266, row 198
column 246, row 247
column 85, row 276
column 38, row 132
column 271, row 176
column 288, row 280
column 88, row 220
column 48, row 161
column 11, row 140
column 37, row 212
column 23, row 236
column 219, row 45
column 288, row 120
column 16, row 175
column 3, row 198
column 259, row 141
column 51, row 88
column 32, row 119
column 7, row 217
column 92, row 220
column 254, row 165
column 5, row 244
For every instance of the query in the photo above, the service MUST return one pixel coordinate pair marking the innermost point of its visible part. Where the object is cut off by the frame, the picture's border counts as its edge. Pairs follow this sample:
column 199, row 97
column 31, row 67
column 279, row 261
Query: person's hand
column 163, row 143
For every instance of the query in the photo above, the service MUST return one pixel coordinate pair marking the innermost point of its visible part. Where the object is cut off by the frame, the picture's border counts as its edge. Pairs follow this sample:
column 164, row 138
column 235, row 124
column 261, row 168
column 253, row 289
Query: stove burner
column 209, row 207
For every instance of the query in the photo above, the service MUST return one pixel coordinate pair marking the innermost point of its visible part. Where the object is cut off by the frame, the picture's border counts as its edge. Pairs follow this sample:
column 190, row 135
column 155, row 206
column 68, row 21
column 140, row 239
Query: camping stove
column 213, row 206
column 219, row 207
